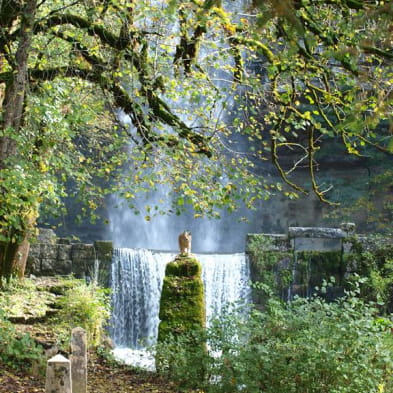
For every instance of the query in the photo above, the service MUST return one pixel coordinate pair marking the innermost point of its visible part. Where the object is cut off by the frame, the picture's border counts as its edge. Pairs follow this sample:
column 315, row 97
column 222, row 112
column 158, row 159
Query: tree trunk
column 14, row 250
column 14, row 257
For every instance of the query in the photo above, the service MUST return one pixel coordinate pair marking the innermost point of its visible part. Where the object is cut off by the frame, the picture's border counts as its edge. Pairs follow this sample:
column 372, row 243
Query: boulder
column 48, row 251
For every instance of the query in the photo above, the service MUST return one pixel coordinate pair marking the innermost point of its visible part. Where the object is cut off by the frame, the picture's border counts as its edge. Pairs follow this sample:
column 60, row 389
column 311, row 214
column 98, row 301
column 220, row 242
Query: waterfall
column 226, row 281
column 137, row 277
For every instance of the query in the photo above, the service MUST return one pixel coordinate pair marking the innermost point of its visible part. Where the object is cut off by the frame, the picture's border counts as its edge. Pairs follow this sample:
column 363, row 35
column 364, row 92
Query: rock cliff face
column 51, row 255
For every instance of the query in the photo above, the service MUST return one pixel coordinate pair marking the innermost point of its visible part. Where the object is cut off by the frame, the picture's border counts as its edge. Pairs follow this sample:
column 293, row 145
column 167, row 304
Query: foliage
column 22, row 299
column 85, row 306
column 270, row 267
column 52, row 153
column 190, row 95
column 309, row 87
column 374, row 261
column 79, row 305
column 305, row 345
column 17, row 350
column 182, row 358
column 129, row 97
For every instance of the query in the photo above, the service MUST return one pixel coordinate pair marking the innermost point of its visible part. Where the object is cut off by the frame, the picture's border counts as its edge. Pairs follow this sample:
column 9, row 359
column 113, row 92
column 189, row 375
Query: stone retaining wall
column 51, row 255
column 307, row 239
column 299, row 261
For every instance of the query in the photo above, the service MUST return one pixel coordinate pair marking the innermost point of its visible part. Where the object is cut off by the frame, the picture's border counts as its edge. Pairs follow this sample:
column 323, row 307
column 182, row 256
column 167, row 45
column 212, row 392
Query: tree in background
column 125, row 95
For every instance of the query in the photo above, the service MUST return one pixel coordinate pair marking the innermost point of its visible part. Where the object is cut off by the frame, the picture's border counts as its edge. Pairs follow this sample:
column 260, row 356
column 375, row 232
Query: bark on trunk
column 14, row 253
column 14, row 257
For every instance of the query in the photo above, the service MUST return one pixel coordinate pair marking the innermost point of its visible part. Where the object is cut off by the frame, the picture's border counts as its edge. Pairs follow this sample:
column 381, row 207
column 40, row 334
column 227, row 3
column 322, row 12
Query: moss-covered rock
column 104, row 250
column 267, row 242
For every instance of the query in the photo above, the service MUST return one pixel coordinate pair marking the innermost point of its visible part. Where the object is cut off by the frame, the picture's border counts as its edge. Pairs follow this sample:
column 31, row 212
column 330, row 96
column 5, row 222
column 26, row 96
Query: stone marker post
column 58, row 375
column 79, row 360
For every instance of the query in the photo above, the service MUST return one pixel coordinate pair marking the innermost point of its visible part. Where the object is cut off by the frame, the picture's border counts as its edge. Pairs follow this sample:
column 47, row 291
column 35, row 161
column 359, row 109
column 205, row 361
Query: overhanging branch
column 159, row 108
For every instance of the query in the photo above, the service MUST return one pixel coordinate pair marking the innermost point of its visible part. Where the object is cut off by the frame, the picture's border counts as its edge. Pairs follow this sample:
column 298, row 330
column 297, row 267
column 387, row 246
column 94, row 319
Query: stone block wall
column 51, row 255
column 304, row 239
column 297, row 262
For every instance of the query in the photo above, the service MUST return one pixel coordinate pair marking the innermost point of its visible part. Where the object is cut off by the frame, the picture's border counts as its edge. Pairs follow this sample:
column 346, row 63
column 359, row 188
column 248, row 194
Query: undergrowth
column 17, row 350
column 75, row 304
column 86, row 306
column 307, row 345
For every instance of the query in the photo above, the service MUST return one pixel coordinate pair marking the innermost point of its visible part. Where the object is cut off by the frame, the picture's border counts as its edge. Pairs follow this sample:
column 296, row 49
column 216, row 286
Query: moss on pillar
column 182, row 318
column 182, row 305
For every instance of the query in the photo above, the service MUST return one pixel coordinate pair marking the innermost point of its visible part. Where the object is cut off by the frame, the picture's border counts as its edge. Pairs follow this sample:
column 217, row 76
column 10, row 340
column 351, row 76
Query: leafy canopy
column 128, row 96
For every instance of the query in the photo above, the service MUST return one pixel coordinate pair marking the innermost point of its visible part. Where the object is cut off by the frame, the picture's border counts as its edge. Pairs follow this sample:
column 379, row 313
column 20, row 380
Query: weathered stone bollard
column 79, row 360
column 58, row 375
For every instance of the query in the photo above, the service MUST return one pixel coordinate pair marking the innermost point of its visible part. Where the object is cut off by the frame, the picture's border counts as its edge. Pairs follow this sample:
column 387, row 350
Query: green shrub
column 86, row 306
column 375, row 262
column 17, row 350
column 307, row 345
column 183, row 358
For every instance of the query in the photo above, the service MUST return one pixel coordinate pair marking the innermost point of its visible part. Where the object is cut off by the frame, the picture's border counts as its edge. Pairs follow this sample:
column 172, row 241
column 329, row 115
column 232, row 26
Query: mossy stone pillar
column 182, row 307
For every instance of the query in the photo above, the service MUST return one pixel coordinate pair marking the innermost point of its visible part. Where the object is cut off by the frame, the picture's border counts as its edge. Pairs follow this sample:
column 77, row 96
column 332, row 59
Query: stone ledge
column 316, row 232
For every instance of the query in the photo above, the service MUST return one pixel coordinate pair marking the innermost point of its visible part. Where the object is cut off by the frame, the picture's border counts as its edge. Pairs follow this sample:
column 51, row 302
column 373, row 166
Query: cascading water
column 137, row 277
column 226, row 281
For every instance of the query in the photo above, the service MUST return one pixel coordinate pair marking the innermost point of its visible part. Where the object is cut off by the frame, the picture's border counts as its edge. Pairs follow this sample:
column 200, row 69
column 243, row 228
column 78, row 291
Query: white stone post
column 58, row 375
column 79, row 360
